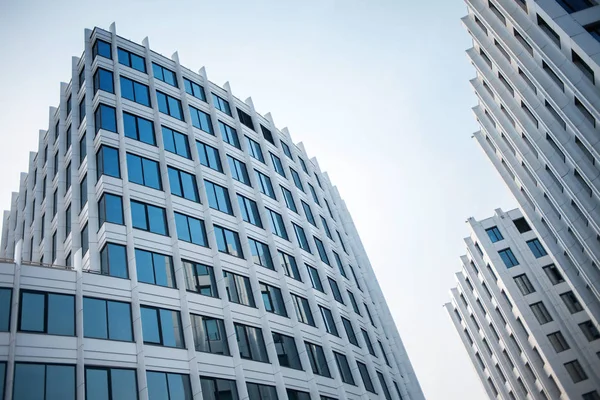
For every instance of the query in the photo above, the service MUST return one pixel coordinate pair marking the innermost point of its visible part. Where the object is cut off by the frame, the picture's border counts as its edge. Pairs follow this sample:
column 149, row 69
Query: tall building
column 525, row 330
column 168, row 242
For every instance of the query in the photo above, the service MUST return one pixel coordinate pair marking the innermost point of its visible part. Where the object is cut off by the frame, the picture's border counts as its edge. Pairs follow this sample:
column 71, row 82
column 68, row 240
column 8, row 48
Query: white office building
column 169, row 242
column 526, row 332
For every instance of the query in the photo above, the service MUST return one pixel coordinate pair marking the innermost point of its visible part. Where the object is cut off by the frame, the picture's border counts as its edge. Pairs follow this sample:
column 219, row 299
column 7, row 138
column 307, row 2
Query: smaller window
column 131, row 60
column 249, row 210
column 149, row 218
column 494, row 234
column 353, row 302
column 201, row 120
column 536, row 248
column 289, row 199
column 286, row 150
column 297, row 180
column 548, row 31
column 367, row 340
column 163, row 74
column 209, row 157
column 553, row 274
column 541, row 313
column 190, row 229
column 288, row 263
column 315, row 279
column 272, row 299
column 308, row 212
column 103, row 80
column 335, row 290
column 175, row 142
column 583, row 66
column 558, row 341
column 229, row 135
column 350, row 331
column 143, row 171
column 239, row 172
column 162, row 327
column 169, row 105
column 101, row 48
column 255, row 150
column 576, row 371
column 194, row 89
column 508, row 257
column 301, row 237
column 107, row 162
column 264, row 184
column 589, row 330
column 110, row 209
column 318, row 362
column 105, row 117
column 261, row 254
column 228, row 242
column 221, row 104
column 218, row 197
column 344, row 368
column 328, row 320
column 277, row 164
column 287, row 352
column 277, row 224
column 251, row 343
column 239, row 290
column 113, row 260
column 524, row 284
column 200, row 278
column 303, row 311
column 155, row 268
column 183, row 184
column 321, row 250
column 245, row 119
column 210, row 335
column 386, row 391
column 571, row 302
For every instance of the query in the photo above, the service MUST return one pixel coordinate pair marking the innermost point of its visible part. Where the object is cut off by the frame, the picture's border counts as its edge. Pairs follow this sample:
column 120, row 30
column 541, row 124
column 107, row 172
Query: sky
column 377, row 90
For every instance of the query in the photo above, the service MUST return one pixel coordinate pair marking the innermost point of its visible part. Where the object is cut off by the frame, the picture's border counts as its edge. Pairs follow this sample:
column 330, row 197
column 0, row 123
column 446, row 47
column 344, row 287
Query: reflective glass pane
column 150, row 328
column 198, row 234
column 179, row 387
column 146, row 131
column 156, row 216
column 30, row 381
column 60, row 382
column 94, row 318
column 143, row 262
column 5, row 307
column 61, row 314
column 134, row 169
column 151, row 174
column 96, row 384
column 117, row 256
column 157, row 386
column 32, row 312
column 119, row 321
column 171, row 328
column 123, row 384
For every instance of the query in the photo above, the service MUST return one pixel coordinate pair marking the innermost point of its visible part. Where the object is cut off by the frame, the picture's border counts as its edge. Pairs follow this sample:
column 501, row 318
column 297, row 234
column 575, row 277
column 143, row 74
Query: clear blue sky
column 377, row 90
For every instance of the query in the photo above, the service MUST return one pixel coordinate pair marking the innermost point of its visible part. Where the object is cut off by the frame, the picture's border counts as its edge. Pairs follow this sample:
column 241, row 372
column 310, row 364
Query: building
column 525, row 330
column 170, row 242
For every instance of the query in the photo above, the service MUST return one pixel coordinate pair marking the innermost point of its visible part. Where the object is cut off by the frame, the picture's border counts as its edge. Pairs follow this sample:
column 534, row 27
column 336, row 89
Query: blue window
column 190, row 229
column 286, row 150
column 107, row 162
column 131, row 60
column 218, row 197
column 110, row 209
column 264, row 184
column 107, row 319
column 101, row 48
column 139, row 128
column 329, row 321
column 82, row 110
column 143, row 171
column 82, row 149
column 169, row 105
column 245, row 119
column 209, row 156
column 50, row 313
column 273, row 301
column 315, row 279
column 249, row 210
column 103, row 383
column 228, row 242
column 326, row 227
column 277, row 225
column 163, row 74
column 162, row 327
column 155, row 268
column 135, row 91
column 68, row 139
column 303, row 311
column 254, row 149
column 252, row 347
column 314, row 194
column 200, row 278
column 149, row 218
column 238, row 289
column 321, row 250
column 366, row 378
column 194, row 89
column 536, row 248
column 303, row 165
column 113, row 260
column 494, row 234
column 288, row 263
column 261, row 254
column 356, row 310
column 103, row 80
column 229, row 135
column 44, row 381
column 289, row 199
column 335, row 290
column 105, row 117
column 221, row 104
column 85, row 242
column 162, row 385
column 183, row 184
column 176, row 142
column 210, row 337
column 5, row 307
column 238, row 170
column 301, row 237
column 338, row 261
column 508, row 257
column 82, row 192
column 267, row 135
column 277, row 165
column 308, row 213
column 201, row 120
column 296, row 179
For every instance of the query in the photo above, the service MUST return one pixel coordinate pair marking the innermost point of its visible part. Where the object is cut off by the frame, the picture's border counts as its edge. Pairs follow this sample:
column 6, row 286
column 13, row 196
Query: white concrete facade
column 491, row 308
column 34, row 250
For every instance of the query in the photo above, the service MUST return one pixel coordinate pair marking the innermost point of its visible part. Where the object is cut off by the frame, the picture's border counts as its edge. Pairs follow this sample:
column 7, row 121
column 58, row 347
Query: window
column 101, row 48
column 194, row 89
column 209, row 157
column 163, row 74
column 49, row 313
column 303, row 311
column 315, row 279
column 335, row 290
column 183, row 184
column 344, row 368
column 590, row 331
column 107, row 162
column 368, row 342
column 103, row 80
column 107, row 319
column 583, row 66
column 169, row 105
column 229, row 135
column 245, row 119
column 201, row 120
column 317, row 359
column 110, row 209
column 254, row 150
column 249, row 210
column 338, row 261
column 350, row 331
column 218, row 197
column 261, row 392
column 162, row 327
column 586, row 113
column 524, row 43
column 321, row 250
column 2, row 377
column 218, row 389
column 353, row 302
column 576, row 371
column 267, row 135
column 228, row 242
column 558, row 341
column 296, row 179
column 261, row 254
column 288, row 263
column 5, row 307
column 82, row 149
column 591, row 396
column 200, row 278
column 221, row 104
column 328, row 321
column 81, row 110
column 277, row 225
column 85, row 243
column 238, row 170
column 497, row 12
column 553, row 75
column 155, row 268
column 168, row 386
column 541, row 313
column 536, row 248
column 553, row 274
column 355, row 278
column 149, row 218
column 524, row 284
column 383, row 353
column 143, row 171
column 190, row 229
column 265, row 185
column 44, row 381
column 548, row 31
column 327, row 231
column 277, row 165
column 369, row 315
column 594, row 30
column 135, row 91
column 508, row 257
column 110, row 383
column 571, row 302
column 251, row 343
column 386, row 391
column 342, row 242
column 289, row 199
column 210, row 335
column 105, row 117
column 572, row 6
column 175, row 142
column 131, row 60
column 287, row 352
column 113, row 260
column 272, row 299
column 494, row 234
column 308, row 213
column 297, row 395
